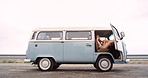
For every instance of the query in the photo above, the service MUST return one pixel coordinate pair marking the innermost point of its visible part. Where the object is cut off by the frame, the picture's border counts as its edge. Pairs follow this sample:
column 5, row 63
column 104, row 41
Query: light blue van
column 51, row 47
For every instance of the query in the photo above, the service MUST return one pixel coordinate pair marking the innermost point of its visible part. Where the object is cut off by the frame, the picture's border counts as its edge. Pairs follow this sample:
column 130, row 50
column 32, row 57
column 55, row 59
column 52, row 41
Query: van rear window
column 78, row 35
column 50, row 35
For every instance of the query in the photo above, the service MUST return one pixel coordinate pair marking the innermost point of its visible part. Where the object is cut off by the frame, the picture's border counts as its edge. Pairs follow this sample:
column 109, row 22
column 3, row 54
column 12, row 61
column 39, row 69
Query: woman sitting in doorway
column 102, row 45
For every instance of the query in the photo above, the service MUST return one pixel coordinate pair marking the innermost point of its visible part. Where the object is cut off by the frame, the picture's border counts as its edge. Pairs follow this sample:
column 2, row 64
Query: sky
column 19, row 17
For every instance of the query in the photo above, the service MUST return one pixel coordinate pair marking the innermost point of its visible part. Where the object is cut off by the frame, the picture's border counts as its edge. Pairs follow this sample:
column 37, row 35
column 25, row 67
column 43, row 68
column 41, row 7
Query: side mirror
column 122, row 34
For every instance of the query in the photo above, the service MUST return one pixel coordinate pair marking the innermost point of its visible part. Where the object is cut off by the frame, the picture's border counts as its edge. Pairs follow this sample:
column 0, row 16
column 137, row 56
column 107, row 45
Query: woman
column 101, row 44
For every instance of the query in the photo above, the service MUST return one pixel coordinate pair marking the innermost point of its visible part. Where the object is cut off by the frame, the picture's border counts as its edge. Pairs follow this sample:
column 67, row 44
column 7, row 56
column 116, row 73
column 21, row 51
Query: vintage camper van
column 51, row 47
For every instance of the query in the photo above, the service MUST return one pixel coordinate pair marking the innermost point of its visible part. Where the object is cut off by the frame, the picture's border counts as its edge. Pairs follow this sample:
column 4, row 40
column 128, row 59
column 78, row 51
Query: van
column 51, row 47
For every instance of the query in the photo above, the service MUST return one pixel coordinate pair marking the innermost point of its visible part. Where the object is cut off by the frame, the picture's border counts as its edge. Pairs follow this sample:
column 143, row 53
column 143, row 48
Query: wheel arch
column 38, row 58
column 109, row 55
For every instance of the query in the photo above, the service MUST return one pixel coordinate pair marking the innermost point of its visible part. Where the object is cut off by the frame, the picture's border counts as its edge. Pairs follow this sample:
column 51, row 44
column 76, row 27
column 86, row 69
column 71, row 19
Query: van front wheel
column 45, row 64
column 104, row 63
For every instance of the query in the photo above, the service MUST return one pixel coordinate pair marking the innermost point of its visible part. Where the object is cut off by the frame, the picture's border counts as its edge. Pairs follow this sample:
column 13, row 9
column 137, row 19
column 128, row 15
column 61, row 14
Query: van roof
column 71, row 28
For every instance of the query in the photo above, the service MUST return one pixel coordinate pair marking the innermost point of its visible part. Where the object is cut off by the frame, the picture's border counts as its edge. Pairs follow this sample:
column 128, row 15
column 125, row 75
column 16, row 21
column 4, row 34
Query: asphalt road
column 26, row 70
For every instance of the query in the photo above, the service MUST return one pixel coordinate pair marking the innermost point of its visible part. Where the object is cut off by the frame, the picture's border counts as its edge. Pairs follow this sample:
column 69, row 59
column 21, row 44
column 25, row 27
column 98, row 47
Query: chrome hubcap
column 45, row 63
column 104, row 64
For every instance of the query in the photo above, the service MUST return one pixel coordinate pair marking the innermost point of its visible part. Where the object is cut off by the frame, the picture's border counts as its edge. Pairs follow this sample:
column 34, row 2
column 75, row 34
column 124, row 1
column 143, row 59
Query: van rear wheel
column 104, row 63
column 45, row 64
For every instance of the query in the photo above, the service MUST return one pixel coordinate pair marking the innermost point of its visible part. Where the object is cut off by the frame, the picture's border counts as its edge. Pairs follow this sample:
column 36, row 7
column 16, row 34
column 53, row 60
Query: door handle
column 88, row 45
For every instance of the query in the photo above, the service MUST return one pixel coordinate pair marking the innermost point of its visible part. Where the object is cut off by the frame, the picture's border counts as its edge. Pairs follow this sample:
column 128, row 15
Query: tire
column 45, row 64
column 104, row 64
column 95, row 65
column 56, row 66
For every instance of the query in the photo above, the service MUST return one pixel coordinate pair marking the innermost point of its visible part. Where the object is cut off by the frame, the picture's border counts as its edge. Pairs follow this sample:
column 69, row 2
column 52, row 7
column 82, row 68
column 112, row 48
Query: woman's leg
column 108, row 43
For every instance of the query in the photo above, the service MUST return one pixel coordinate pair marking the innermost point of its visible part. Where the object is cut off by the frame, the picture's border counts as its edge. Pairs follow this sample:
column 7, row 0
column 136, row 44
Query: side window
column 78, row 35
column 50, row 35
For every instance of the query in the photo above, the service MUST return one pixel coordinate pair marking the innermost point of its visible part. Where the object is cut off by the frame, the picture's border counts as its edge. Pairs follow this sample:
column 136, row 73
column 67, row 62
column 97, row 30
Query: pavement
column 26, row 70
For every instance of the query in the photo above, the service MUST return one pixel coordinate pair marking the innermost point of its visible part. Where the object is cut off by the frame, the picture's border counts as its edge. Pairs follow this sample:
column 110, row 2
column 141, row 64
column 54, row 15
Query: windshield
column 111, row 37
